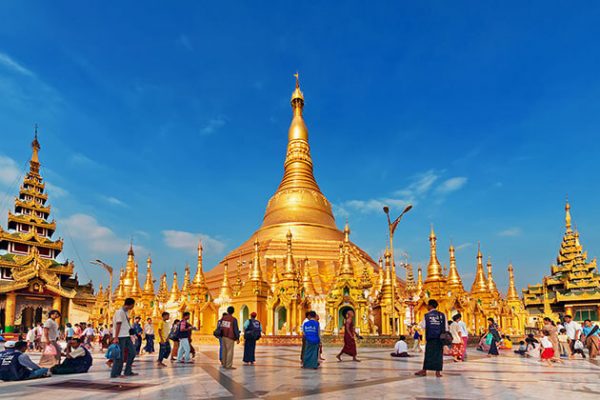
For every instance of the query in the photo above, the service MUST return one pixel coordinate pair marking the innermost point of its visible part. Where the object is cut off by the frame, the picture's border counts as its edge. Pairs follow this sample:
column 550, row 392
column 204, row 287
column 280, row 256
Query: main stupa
column 300, row 208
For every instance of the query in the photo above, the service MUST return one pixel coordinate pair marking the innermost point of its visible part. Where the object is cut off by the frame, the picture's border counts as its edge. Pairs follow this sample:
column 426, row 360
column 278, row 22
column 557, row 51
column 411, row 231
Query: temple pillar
column 56, row 305
column 11, row 305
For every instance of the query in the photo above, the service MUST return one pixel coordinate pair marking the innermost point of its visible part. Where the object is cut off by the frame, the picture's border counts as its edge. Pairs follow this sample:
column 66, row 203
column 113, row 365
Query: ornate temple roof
column 571, row 278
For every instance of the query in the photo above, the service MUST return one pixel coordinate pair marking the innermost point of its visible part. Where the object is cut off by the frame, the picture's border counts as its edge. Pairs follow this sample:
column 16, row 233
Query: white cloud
column 416, row 190
column 212, row 126
column 114, row 201
column 511, row 232
column 82, row 160
column 9, row 171
column 55, row 191
column 463, row 246
column 97, row 238
column 14, row 66
column 189, row 241
column 420, row 186
column 451, row 185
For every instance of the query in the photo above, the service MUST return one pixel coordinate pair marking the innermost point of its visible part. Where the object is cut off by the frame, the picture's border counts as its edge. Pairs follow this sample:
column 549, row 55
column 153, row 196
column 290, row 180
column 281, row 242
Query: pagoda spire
column 347, row 268
column 381, row 275
column 453, row 278
column 307, row 282
column 419, row 280
column 434, row 269
column 480, row 283
column 175, row 292
column 187, row 282
column 136, row 290
column 490, row 278
column 568, row 216
column 274, row 277
column 388, row 267
column 120, row 292
column 149, row 284
column 512, row 293
column 34, row 163
column 225, row 293
column 199, row 280
column 256, row 272
column 163, row 289
column 298, row 197
column 289, row 270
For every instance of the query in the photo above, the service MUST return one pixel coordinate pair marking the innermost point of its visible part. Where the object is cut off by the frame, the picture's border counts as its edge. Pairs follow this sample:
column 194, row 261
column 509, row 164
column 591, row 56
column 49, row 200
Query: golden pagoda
column 300, row 210
column 573, row 286
column 32, row 281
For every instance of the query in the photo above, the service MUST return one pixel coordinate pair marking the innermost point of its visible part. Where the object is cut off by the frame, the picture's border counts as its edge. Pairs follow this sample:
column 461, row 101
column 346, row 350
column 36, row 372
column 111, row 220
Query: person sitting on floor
column 522, row 348
column 15, row 365
column 401, row 348
column 78, row 361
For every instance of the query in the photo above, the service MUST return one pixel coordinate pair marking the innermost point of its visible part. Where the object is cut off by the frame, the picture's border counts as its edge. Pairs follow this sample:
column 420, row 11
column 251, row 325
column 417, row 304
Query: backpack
column 174, row 334
column 254, row 330
column 218, row 332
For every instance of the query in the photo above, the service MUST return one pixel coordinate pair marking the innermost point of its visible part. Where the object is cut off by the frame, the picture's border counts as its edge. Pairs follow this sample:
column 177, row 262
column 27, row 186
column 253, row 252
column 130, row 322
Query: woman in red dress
column 349, row 337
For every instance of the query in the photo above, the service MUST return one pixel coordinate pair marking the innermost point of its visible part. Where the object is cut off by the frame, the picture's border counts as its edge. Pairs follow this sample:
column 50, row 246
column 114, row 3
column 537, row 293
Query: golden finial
column 512, row 290
column 35, row 146
column 297, row 96
column 255, row 271
column 568, row 215
column 296, row 75
column 434, row 269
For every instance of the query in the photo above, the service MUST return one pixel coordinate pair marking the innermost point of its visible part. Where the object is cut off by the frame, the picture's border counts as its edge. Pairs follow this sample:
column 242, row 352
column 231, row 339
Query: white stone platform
column 277, row 375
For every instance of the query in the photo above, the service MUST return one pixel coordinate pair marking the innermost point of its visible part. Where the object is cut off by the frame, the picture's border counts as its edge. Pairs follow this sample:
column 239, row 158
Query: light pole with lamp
column 392, row 225
column 108, row 269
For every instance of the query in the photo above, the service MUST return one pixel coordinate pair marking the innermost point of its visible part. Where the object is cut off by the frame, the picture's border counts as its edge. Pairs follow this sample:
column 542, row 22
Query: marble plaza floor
column 277, row 376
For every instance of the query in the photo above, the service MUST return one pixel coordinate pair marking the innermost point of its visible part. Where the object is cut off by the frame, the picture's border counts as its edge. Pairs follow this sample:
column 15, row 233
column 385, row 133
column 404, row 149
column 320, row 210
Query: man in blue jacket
column 15, row 365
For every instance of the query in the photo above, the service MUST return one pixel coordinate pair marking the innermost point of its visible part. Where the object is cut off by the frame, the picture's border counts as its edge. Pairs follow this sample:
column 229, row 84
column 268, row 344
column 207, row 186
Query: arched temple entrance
column 280, row 320
column 342, row 313
column 244, row 314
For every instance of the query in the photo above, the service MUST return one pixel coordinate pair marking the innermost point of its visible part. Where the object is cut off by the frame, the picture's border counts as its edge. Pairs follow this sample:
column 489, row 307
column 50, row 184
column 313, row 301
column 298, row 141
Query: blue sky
column 169, row 123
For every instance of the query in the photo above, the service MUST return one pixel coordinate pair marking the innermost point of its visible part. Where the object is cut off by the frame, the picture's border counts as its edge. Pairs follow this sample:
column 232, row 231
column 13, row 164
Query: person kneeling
column 78, row 361
column 15, row 365
column 401, row 348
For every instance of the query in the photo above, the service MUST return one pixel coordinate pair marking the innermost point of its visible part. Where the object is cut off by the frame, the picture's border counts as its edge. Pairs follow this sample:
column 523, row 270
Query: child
column 401, row 348
column 563, row 343
column 522, row 348
column 112, row 353
column 506, row 342
column 547, row 351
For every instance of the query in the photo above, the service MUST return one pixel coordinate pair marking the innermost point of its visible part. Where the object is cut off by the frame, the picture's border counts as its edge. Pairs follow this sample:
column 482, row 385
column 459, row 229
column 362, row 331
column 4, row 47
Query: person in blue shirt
column 137, row 327
column 252, row 332
column 311, row 332
column 15, row 365
column 435, row 324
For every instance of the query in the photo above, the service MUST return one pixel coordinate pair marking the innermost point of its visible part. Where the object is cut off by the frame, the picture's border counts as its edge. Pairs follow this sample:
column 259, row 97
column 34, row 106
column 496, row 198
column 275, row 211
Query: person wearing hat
column 15, row 365
column 252, row 332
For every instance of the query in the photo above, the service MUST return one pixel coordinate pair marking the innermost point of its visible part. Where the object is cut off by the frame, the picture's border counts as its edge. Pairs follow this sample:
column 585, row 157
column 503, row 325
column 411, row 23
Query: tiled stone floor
column 277, row 376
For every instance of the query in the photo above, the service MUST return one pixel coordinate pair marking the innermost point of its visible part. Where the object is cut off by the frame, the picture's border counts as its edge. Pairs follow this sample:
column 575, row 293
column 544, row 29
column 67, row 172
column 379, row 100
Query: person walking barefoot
column 349, row 338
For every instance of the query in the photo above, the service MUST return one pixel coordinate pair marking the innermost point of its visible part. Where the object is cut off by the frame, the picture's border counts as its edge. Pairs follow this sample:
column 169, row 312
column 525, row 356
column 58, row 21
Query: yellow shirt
column 507, row 344
column 164, row 328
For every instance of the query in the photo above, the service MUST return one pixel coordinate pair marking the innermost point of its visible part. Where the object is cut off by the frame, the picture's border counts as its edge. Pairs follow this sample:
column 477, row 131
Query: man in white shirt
column 465, row 335
column 401, row 348
column 50, row 348
column 573, row 332
column 122, row 337
column 149, row 333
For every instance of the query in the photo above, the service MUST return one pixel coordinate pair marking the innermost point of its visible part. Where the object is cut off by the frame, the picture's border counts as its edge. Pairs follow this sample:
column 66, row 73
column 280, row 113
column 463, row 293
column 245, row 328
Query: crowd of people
column 122, row 342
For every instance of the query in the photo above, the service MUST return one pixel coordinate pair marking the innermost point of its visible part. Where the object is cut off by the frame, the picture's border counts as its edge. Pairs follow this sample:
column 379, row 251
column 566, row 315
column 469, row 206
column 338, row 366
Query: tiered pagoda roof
column 572, row 278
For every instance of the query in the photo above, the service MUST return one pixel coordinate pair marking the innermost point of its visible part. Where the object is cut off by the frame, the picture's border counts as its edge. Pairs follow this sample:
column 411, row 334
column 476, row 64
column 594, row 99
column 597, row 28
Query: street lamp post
column 392, row 225
column 108, row 269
